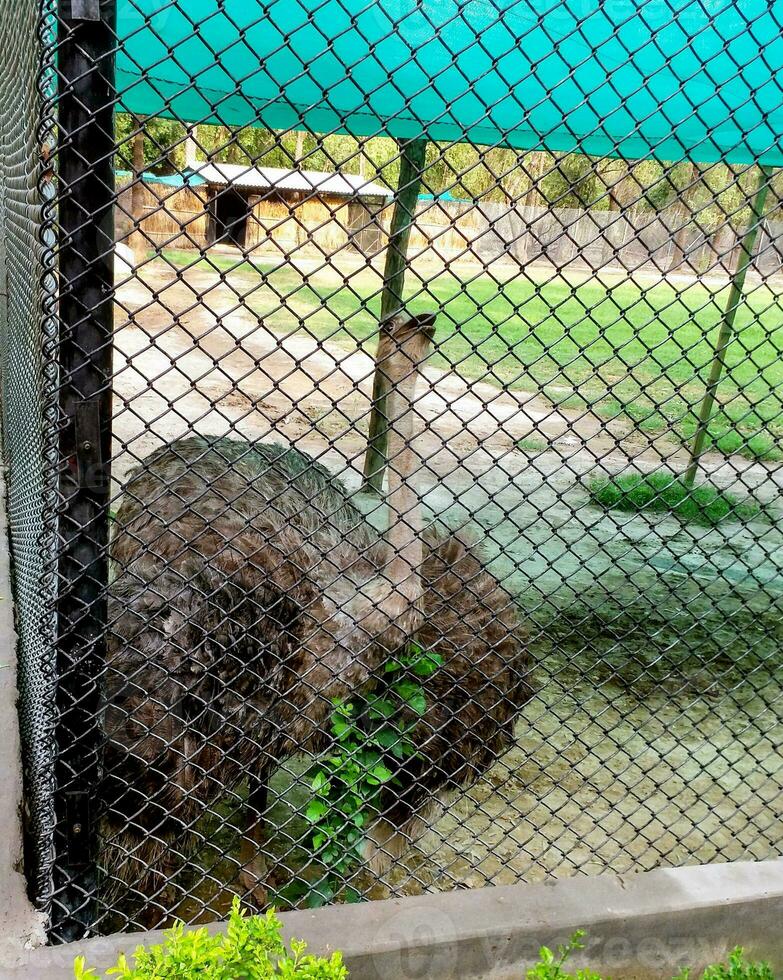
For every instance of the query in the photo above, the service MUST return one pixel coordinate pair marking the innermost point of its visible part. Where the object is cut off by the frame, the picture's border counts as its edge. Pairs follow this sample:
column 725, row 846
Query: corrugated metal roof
column 276, row 178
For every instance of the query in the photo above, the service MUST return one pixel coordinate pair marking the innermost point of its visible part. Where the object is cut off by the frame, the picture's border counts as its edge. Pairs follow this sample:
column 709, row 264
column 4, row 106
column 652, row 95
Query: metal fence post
column 85, row 171
column 726, row 332
column 412, row 163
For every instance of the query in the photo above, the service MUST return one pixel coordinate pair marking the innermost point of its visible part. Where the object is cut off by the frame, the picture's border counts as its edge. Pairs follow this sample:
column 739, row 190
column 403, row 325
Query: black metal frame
column 85, row 66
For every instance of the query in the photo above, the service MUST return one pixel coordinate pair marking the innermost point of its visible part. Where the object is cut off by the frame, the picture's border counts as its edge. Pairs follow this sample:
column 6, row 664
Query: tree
column 611, row 174
column 536, row 166
column 299, row 151
column 138, row 242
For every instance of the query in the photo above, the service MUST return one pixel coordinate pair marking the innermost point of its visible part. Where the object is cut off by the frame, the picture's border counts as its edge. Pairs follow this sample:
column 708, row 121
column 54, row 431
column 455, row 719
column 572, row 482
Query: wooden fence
column 455, row 230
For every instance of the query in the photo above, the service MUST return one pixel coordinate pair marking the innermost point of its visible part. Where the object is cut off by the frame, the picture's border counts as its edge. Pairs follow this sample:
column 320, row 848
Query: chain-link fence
column 29, row 419
column 392, row 414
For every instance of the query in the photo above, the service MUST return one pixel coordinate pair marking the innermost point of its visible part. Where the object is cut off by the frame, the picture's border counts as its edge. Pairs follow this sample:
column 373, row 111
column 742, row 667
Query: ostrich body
column 249, row 593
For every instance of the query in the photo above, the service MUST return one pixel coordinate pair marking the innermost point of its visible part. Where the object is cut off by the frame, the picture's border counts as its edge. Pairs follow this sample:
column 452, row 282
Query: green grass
column 533, row 444
column 661, row 493
column 737, row 426
column 622, row 350
column 566, row 400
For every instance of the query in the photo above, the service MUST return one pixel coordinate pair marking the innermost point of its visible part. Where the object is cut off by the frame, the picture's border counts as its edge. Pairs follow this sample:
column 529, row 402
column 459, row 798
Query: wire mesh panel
column 417, row 445
column 28, row 394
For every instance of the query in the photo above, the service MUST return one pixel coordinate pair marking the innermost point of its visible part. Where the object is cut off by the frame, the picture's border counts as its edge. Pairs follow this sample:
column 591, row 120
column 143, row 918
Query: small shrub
column 369, row 738
column 250, row 949
column 737, row 968
column 550, row 965
column 662, row 493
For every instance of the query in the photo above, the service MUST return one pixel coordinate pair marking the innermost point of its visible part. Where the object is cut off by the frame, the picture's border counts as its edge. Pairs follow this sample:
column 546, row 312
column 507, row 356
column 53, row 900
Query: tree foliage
column 708, row 197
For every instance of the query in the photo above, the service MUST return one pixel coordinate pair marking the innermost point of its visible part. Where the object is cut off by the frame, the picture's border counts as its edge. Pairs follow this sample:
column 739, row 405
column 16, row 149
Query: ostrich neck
column 405, row 520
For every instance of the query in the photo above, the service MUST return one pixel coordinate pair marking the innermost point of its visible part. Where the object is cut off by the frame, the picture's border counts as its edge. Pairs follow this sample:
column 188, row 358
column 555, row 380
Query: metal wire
column 368, row 413
column 29, row 384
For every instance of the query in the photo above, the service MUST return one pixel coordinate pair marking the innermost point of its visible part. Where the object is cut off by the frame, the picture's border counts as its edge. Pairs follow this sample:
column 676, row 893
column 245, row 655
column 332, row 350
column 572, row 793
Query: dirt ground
column 656, row 734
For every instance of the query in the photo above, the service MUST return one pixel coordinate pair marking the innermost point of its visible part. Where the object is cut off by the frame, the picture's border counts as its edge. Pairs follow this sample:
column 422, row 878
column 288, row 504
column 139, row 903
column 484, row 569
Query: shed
column 252, row 206
column 256, row 208
column 171, row 213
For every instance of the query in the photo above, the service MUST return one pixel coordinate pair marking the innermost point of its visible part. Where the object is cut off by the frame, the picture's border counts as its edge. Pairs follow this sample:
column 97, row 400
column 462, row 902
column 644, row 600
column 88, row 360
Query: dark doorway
column 229, row 209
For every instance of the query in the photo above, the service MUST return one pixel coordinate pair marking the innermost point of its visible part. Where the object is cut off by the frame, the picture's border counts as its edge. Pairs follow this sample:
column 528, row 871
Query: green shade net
column 637, row 78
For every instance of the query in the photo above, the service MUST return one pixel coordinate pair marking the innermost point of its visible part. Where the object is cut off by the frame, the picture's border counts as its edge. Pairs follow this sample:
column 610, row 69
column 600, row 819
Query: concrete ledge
column 641, row 926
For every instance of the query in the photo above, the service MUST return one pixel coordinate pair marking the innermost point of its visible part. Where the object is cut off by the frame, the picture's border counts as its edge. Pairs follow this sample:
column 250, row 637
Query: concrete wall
column 20, row 924
column 638, row 927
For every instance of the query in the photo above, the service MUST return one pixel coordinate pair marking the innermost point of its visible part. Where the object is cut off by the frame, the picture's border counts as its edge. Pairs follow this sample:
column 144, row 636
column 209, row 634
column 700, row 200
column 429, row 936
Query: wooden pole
column 725, row 334
column 412, row 160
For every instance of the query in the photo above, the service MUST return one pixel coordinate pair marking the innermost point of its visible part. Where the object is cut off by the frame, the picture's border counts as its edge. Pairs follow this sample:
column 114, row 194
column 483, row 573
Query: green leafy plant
column 550, row 965
column 250, row 949
column 737, row 968
column 663, row 493
column 370, row 737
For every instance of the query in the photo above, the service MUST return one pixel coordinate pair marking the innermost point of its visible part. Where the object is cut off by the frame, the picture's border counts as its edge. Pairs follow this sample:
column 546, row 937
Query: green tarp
column 666, row 78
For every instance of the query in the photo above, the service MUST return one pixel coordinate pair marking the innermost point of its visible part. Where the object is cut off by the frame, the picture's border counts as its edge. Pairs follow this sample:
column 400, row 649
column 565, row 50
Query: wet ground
column 655, row 737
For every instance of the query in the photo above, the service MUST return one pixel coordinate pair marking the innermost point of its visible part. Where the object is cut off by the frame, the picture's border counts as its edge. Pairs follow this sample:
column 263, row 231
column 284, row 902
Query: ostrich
column 250, row 593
